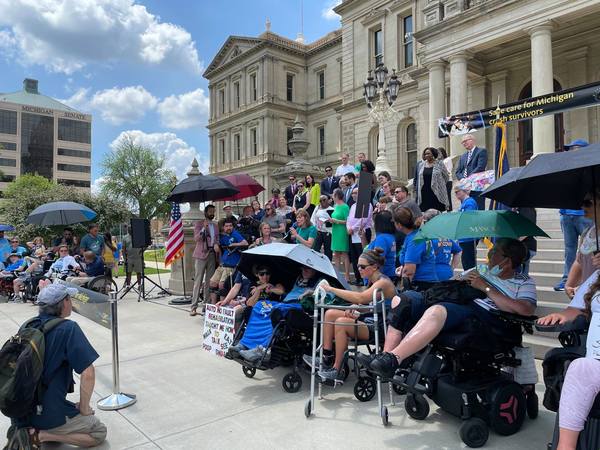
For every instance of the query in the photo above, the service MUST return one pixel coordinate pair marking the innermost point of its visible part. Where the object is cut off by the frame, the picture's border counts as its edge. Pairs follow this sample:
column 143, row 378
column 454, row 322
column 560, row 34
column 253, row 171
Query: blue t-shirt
column 245, row 282
column 444, row 249
column 571, row 212
column 468, row 204
column 231, row 257
column 91, row 243
column 4, row 249
column 19, row 250
column 388, row 243
column 14, row 266
column 95, row 268
column 421, row 254
column 67, row 349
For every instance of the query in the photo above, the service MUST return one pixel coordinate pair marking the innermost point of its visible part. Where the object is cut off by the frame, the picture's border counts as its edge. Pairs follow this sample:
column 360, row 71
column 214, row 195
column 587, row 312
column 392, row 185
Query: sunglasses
column 263, row 274
column 328, row 170
column 268, row 209
column 398, row 192
column 362, row 266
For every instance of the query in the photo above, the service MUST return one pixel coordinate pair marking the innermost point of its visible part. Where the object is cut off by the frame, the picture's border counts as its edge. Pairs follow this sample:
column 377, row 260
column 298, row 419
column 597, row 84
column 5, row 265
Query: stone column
column 189, row 220
column 437, row 101
column 578, row 124
column 542, row 82
column 458, row 93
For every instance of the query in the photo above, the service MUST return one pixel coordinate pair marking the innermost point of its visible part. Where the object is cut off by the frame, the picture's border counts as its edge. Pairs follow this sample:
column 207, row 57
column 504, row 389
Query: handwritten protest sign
column 218, row 329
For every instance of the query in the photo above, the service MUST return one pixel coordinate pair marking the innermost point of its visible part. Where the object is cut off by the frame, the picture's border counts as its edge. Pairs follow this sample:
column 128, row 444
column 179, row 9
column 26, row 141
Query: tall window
column 407, row 44
column 290, row 87
column 236, row 93
column 321, row 134
column 222, row 101
column 254, row 141
column 74, row 131
column 290, row 135
column 222, row 150
column 8, row 121
column 237, row 143
column 321, row 84
column 253, row 87
column 378, row 47
column 37, row 144
column 411, row 149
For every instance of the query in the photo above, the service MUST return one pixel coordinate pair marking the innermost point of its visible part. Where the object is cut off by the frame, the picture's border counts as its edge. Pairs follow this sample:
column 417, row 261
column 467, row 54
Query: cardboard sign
column 218, row 332
column 363, row 200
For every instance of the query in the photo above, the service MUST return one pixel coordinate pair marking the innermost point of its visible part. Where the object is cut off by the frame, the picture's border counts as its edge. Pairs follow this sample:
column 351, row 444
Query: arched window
column 411, row 150
column 373, row 143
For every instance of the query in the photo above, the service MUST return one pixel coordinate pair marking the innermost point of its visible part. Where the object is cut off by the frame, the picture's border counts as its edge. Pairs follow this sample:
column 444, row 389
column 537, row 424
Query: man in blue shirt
column 14, row 247
column 93, row 267
column 92, row 241
column 230, row 242
column 469, row 246
column 572, row 224
column 67, row 350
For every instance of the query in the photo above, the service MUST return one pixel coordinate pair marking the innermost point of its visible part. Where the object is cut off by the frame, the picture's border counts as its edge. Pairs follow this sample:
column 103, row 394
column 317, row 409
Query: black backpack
column 21, row 367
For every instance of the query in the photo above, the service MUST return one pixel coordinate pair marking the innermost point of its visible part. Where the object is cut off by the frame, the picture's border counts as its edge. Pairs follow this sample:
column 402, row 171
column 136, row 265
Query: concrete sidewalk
column 189, row 399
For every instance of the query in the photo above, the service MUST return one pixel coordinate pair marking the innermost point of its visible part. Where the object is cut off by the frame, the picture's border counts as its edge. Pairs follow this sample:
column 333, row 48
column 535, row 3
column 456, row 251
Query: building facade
column 451, row 56
column 40, row 135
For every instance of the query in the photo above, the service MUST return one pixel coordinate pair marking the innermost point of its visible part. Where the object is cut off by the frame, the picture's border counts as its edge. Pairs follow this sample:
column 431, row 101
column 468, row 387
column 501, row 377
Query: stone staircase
column 546, row 269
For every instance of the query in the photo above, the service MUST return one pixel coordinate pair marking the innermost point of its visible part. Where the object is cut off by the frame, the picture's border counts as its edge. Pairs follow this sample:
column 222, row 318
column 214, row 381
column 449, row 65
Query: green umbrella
column 477, row 224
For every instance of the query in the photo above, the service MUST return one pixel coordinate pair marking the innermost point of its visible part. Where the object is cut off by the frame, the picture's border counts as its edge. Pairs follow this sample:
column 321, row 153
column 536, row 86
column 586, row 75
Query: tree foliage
column 28, row 192
column 136, row 175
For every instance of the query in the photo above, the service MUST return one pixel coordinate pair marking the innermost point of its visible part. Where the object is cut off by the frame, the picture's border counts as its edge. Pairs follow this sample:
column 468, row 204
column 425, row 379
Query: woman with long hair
column 430, row 182
column 304, row 232
column 300, row 200
column 276, row 222
column 447, row 161
column 339, row 235
column 108, row 254
column 359, row 230
column 313, row 193
column 320, row 218
column 265, row 235
column 257, row 212
column 342, row 326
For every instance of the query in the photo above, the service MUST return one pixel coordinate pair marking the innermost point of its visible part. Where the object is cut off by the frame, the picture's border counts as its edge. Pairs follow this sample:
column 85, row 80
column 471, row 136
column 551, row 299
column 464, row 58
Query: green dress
column 339, row 234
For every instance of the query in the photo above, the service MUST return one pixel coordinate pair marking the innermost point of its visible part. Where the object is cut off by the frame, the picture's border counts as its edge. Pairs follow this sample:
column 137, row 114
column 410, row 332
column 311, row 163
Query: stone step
column 541, row 343
column 548, row 307
column 548, row 294
column 544, row 254
column 550, row 244
column 545, row 278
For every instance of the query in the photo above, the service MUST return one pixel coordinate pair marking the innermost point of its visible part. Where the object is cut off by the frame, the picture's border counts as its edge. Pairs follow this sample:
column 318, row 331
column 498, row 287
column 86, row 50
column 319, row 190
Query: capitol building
column 451, row 56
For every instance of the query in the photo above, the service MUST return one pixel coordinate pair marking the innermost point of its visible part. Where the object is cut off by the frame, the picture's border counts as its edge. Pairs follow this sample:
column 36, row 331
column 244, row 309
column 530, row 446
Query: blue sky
column 137, row 66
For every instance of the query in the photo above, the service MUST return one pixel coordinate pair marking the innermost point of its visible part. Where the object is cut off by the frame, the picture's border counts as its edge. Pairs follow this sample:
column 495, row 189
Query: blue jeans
column 572, row 227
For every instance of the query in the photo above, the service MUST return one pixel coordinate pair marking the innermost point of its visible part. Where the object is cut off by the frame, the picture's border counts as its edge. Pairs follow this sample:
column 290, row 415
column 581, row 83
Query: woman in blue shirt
column 385, row 239
column 447, row 251
column 469, row 246
column 417, row 260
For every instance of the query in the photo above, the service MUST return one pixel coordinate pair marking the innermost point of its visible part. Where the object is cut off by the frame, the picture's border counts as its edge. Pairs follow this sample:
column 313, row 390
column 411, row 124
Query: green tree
column 30, row 191
column 136, row 175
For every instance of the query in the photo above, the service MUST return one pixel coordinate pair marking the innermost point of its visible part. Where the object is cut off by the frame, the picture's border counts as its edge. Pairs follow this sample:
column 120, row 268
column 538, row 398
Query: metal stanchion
column 116, row 400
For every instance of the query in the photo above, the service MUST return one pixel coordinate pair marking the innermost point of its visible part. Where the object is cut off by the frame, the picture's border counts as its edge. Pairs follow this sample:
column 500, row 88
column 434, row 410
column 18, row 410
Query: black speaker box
column 140, row 233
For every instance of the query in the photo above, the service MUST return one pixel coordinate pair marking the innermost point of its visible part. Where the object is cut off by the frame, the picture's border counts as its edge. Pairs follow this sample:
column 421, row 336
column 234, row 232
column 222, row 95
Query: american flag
column 174, row 249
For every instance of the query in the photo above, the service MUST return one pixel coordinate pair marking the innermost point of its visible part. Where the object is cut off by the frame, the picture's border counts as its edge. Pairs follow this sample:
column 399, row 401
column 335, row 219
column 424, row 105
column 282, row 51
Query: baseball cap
column 577, row 143
column 54, row 293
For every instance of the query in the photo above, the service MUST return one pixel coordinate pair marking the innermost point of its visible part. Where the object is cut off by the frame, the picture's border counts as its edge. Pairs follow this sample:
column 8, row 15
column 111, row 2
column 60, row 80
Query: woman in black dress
column 430, row 180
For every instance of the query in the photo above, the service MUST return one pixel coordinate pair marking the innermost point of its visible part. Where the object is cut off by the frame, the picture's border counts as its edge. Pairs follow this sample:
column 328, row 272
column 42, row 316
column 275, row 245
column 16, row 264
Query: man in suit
column 474, row 160
column 329, row 183
column 206, row 255
column 291, row 190
column 350, row 181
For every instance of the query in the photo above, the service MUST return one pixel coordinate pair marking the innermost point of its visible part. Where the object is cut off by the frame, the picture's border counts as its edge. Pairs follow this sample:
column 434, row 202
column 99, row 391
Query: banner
column 219, row 323
column 90, row 304
column 529, row 108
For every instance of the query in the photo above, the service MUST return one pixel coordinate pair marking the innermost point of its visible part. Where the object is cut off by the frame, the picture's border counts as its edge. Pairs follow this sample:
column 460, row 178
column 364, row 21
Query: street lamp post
column 380, row 94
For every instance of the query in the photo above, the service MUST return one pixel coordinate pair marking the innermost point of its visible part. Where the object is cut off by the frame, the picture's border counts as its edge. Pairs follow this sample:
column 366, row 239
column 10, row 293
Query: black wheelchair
column 572, row 336
column 462, row 372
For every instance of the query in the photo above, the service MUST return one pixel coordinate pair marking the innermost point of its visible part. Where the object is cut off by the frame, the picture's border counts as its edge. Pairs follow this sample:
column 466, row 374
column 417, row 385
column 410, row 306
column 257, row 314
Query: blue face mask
column 496, row 270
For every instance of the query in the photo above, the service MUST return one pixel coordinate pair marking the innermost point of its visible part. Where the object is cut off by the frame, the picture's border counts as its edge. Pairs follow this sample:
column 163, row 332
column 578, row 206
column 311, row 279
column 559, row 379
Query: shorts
column 221, row 274
column 134, row 265
column 412, row 307
column 82, row 424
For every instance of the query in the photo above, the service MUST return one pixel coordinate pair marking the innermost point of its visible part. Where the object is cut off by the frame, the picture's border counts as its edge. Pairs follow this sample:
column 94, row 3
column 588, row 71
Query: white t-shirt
column 343, row 169
column 578, row 301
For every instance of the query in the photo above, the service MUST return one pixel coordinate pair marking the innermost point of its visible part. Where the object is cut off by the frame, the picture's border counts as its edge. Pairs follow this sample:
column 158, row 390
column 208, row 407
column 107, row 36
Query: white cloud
column 178, row 154
column 185, row 110
column 67, row 35
column 328, row 13
column 7, row 44
column 97, row 184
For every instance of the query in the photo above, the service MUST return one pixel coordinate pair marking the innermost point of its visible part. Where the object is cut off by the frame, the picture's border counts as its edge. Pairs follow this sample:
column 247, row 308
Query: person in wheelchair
column 14, row 263
column 93, row 266
column 64, row 265
column 339, row 323
column 413, row 325
column 34, row 270
column 581, row 385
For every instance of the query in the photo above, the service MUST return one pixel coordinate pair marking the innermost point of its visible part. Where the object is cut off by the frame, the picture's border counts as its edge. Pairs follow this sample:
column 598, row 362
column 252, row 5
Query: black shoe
column 385, row 365
column 365, row 360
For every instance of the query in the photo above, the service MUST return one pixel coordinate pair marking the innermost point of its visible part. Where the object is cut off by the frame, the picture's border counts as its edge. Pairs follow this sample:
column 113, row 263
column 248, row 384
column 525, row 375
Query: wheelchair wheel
column 399, row 390
column 308, row 408
column 533, row 405
column 474, row 432
column 102, row 284
column 365, row 389
column 292, row 382
column 346, row 371
column 507, row 408
column 416, row 406
column 249, row 371
column 385, row 418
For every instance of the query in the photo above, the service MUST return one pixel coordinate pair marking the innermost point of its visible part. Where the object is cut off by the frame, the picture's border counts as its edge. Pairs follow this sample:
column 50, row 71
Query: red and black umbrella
column 247, row 186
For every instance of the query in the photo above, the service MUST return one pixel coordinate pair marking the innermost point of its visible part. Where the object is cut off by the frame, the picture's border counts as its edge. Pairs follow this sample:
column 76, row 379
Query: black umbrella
column 60, row 213
column 550, row 180
column 201, row 188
